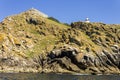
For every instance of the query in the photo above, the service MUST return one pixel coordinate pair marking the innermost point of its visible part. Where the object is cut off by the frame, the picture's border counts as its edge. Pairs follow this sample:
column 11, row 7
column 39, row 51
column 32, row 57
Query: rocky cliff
column 30, row 42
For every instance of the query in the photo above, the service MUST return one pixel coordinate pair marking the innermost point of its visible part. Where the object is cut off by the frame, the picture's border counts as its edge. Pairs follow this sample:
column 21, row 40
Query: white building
column 87, row 20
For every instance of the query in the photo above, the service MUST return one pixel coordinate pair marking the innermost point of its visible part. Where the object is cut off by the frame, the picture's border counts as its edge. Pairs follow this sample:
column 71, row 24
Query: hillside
column 32, row 42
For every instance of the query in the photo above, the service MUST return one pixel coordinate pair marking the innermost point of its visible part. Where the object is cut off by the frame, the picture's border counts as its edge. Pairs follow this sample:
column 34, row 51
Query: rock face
column 66, row 60
column 31, row 42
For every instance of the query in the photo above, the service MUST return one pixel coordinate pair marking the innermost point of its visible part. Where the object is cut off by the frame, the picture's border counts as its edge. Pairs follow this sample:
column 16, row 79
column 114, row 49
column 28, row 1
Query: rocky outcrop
column 34, row 11
column 30, row 42
column 66, row 60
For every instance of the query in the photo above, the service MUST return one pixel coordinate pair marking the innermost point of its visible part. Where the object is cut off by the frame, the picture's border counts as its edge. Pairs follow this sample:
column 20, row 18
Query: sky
column 67, row 11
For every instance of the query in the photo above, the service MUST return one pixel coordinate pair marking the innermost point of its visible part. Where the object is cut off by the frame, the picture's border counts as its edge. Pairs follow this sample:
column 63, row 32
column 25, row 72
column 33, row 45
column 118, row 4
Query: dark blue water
column 32, row 76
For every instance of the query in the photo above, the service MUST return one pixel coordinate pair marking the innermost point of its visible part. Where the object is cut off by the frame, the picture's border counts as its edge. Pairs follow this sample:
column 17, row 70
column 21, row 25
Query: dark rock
column 115, row 48
column 34, row 21
column 73, row 40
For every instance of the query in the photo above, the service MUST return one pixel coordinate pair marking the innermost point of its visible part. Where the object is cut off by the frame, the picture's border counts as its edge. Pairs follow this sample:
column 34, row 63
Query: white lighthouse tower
column 87, row 20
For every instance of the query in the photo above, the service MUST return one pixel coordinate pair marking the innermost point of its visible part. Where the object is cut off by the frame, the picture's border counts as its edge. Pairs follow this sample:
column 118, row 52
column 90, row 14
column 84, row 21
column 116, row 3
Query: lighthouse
column 87, row 20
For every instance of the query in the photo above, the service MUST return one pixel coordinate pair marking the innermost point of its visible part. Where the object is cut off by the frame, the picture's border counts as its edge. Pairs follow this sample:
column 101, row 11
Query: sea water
column 38, row 76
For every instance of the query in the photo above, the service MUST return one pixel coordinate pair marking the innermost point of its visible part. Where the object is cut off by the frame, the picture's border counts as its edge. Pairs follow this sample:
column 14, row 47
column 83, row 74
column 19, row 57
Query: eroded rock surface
column 74, row 61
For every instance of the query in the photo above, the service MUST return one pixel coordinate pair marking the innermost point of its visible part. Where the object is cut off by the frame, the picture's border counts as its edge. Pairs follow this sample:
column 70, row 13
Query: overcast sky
column 67, row 11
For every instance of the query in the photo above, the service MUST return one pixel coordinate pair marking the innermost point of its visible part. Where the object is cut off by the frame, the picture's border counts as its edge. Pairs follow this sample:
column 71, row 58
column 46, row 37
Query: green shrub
column 52, row 18
column 66, row 24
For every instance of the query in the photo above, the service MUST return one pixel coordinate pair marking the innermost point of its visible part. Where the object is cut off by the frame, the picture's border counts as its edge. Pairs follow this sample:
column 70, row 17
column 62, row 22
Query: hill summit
column 34, row 11
column 32, row 42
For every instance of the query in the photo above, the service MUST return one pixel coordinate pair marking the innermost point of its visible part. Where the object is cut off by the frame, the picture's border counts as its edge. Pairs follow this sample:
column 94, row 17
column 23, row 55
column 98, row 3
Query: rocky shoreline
column 71, row 60
column 66, row 60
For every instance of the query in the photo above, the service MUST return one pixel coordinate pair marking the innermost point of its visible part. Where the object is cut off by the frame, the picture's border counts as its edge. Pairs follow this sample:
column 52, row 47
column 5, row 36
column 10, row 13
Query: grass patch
column 44, row 45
